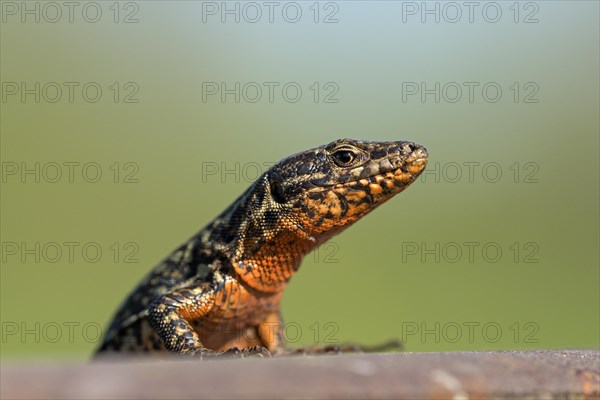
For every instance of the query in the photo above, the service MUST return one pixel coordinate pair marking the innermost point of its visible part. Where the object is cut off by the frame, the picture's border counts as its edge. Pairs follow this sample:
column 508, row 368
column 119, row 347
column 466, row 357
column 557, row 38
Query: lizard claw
column 257, row 352
column 250, row 352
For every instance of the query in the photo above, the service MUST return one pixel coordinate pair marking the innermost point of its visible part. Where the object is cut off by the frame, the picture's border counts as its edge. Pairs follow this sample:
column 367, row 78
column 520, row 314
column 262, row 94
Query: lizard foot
column 249, row 352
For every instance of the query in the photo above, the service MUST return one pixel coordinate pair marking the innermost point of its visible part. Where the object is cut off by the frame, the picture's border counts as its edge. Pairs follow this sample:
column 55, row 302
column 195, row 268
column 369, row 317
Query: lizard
column 220, row 292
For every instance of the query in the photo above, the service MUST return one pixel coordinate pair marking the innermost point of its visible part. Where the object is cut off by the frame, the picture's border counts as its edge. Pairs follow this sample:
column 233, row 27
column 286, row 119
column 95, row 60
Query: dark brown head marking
column 345, row 180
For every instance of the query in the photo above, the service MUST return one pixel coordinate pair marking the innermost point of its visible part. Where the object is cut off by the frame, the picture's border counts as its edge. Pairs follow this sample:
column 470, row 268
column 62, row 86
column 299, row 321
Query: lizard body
column 221, row 290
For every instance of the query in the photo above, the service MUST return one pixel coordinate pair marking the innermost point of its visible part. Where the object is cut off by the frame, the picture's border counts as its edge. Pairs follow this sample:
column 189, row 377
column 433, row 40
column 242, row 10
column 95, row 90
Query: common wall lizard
column 219, row 293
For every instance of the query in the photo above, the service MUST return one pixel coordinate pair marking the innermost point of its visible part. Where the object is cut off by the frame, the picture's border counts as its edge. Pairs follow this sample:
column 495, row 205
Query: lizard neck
column 259, row 239
column 268, row 264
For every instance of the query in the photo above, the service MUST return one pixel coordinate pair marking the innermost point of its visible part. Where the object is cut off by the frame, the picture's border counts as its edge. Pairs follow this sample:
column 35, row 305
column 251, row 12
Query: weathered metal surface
column 556, row 374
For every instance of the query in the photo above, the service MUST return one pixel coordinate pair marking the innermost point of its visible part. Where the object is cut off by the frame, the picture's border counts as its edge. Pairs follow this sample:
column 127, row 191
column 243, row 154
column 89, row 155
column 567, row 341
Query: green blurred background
column 376, row 281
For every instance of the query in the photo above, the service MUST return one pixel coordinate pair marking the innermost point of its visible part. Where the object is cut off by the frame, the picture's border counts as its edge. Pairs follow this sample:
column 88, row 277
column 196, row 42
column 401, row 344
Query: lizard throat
column 271, row 265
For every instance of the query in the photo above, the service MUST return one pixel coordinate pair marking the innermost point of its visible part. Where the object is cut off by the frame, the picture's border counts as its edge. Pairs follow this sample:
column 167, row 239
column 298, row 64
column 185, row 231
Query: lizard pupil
column 344, row 157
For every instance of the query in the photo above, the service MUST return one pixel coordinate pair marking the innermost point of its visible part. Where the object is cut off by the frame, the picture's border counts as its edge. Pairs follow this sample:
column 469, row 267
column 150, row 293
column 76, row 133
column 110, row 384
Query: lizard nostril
column 421, row 152
column 415, row 150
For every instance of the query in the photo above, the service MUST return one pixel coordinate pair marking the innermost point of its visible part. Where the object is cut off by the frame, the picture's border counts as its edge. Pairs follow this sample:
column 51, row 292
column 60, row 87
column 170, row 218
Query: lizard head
column 328, row 188
column 308, row 197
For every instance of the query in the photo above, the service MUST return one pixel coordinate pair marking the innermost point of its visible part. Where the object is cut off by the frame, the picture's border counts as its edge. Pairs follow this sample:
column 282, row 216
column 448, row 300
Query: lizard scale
column 219, row 293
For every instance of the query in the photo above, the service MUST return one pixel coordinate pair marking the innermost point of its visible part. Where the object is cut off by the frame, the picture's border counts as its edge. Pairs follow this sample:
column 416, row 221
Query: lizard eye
column 343, row 157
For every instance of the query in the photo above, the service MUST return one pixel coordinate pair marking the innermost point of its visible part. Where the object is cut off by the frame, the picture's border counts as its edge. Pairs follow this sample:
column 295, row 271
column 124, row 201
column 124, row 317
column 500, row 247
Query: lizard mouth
column 398, row 171
column 414, row 164
column 416, row 161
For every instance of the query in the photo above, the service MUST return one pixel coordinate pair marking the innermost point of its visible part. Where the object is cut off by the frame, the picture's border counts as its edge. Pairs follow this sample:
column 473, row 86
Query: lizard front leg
column 170, row 316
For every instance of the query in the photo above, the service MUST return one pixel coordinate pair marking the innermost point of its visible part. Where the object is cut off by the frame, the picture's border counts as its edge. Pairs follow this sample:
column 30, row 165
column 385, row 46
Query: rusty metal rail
column 560, row 374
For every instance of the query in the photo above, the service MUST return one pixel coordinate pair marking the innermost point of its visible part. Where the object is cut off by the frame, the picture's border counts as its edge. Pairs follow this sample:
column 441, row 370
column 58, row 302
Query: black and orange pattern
column 220, row 292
